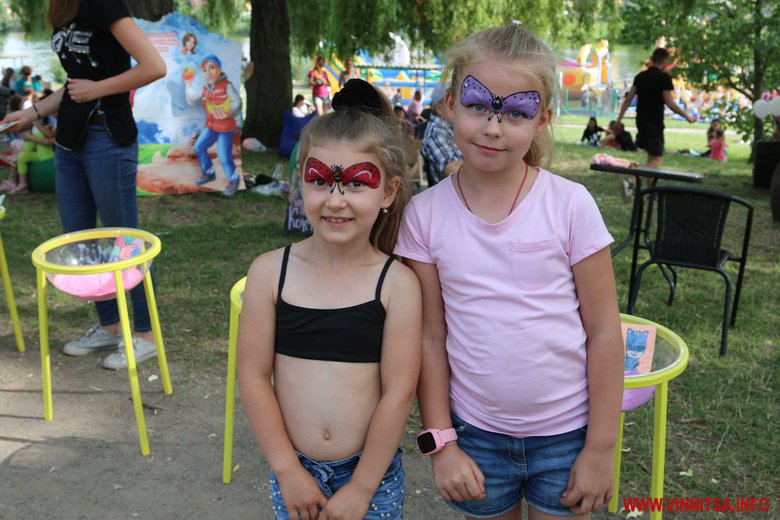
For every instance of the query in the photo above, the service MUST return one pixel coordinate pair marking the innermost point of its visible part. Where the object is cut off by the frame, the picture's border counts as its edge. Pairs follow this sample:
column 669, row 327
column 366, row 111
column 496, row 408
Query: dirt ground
column 86, row 463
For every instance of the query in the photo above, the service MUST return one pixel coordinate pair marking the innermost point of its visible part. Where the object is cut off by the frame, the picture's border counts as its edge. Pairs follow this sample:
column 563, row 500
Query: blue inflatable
column 291, row 132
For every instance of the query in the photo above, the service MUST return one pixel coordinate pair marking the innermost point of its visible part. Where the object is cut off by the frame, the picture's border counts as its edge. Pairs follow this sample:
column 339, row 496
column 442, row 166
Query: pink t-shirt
column 415, row 108
column 515, row 340
column 717, row 150
column 323, row 89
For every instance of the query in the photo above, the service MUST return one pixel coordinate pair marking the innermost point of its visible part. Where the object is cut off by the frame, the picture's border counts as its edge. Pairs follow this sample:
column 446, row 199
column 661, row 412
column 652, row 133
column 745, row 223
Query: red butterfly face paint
column 354, row 176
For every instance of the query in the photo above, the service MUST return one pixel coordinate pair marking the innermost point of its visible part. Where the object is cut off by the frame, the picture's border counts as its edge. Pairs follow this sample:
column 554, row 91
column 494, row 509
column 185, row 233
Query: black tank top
column 352, row 334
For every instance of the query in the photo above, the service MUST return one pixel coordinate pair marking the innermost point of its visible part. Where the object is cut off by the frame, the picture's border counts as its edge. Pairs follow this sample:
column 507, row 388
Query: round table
column 670, row 358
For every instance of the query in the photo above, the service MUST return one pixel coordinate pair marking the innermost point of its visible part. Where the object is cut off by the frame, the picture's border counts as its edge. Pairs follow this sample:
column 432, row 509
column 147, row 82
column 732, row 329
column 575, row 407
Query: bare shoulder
column 265, row 269
column 401, row 282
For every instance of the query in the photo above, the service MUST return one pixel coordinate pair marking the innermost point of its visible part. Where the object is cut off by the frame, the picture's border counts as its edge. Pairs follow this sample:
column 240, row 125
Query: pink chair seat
column 636, row 397
column 95, row 287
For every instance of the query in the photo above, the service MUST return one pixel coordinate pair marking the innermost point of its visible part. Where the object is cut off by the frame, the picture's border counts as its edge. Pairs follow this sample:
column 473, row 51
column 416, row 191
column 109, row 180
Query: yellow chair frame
column 660, row 380
column 9, row 293
column 236, row 302
column 43, row 267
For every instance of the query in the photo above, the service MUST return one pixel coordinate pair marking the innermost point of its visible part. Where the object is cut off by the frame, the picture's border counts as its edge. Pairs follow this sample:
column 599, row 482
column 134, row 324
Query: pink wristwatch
column 432, row 440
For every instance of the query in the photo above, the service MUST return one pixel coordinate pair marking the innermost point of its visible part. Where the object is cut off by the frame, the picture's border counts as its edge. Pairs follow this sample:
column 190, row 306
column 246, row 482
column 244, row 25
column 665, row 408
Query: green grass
column 723, row 438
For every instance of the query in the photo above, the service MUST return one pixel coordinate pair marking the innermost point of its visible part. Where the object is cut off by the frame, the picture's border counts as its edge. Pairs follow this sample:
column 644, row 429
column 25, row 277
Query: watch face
column 426, row 442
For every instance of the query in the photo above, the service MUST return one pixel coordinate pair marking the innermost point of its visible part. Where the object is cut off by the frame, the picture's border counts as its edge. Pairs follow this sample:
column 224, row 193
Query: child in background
column 715, row 125
column 522, row 350
column 718, row 146
column 415, row 108
column 592, row 133
column 38, row 146
column 301, row 107
column 327, row 376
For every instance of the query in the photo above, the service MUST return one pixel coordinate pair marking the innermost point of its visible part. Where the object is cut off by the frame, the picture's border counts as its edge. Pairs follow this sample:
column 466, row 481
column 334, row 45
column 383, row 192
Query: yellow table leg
column 616, row 465
column 9, row 295
column 659, row 445
column 162, row 361
column 230, row 397
column 43, row 324
column 132, row 370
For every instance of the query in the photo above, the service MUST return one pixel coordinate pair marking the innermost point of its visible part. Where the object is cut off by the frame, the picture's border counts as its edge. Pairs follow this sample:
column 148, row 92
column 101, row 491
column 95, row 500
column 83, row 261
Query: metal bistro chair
column 686, row 230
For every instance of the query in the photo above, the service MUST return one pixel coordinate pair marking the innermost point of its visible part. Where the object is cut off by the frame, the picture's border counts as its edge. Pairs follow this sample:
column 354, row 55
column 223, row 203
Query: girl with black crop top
column 96, row 153
column 329, row 338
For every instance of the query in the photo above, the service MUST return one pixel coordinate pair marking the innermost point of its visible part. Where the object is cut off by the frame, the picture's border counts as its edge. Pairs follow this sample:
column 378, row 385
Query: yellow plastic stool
column 236, row 302
column 9, row 294
column 670, row 358
column 89, row 254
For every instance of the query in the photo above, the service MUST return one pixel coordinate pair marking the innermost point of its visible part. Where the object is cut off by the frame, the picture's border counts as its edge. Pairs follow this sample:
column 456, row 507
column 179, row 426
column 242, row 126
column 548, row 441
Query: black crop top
column 352, row 334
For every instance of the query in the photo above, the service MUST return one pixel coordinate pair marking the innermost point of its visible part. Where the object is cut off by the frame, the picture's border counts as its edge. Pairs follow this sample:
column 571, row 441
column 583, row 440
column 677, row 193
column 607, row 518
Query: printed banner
column 189, row 121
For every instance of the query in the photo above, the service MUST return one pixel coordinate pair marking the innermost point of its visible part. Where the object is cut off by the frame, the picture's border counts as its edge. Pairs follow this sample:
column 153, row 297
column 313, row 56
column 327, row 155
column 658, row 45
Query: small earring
column 384, row 211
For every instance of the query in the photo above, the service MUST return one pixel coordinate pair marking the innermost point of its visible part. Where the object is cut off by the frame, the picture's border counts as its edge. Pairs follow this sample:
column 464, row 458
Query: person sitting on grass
column 618, row 137
column 718, row 146
column 592, row 133
column 38, row 146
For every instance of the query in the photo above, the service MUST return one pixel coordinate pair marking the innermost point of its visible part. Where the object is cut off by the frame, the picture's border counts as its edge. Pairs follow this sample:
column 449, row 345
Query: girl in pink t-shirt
column 522, row 352
column 718, row 146
column 320, row 86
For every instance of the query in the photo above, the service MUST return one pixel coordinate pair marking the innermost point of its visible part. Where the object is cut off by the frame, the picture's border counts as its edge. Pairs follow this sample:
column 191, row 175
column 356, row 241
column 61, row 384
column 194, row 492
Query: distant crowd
column 20, row 89
column 28, row 144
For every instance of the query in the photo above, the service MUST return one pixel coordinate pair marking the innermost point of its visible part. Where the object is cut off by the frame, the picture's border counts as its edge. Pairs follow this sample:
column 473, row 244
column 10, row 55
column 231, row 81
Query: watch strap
column 448, row 435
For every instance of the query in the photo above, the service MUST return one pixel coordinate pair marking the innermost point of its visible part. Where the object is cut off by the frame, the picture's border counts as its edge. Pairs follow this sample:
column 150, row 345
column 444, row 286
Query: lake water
column 16, row 51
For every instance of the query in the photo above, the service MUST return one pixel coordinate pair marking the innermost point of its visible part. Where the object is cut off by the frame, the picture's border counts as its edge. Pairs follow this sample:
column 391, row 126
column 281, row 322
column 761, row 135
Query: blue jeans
column 224, row 142
column 99, row 180
column 536, row 468
column 387, row 503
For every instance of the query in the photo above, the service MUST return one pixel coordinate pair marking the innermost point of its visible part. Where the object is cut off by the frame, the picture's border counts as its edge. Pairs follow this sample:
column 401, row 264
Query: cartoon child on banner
column 222, row 104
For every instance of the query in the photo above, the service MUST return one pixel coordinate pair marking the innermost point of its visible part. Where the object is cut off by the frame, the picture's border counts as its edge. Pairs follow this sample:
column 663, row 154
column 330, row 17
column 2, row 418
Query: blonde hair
column 375, row 132
column 511, row 43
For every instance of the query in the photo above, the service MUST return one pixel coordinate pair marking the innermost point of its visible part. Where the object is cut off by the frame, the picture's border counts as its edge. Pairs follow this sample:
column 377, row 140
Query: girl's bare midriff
column 327, row 406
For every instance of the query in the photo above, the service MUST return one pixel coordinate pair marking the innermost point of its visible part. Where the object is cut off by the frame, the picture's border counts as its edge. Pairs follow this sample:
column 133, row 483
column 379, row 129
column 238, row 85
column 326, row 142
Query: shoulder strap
column 283, row 271
column 382, row 277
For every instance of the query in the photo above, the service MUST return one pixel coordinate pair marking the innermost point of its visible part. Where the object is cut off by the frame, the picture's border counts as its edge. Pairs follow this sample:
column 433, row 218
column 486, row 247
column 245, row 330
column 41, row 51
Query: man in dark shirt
column 654, row 88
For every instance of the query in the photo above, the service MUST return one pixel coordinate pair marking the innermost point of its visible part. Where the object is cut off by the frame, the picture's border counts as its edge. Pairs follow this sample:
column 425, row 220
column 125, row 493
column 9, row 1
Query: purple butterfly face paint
column 519, row 105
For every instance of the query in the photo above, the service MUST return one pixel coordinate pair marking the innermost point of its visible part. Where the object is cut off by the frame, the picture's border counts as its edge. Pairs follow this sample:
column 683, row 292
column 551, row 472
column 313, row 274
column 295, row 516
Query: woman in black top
column 96, row 155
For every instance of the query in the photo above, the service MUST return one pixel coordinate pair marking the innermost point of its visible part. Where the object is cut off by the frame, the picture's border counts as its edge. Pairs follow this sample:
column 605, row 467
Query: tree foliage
column 736, row 42
column 345, row 26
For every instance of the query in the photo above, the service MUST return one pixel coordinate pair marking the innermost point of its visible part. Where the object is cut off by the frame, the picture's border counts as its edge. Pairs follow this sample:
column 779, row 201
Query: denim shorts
column 536, row 468
column 388, row 500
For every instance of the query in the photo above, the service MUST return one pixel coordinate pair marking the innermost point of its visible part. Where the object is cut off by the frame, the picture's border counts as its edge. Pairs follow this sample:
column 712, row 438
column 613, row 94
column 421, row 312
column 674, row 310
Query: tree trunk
column 269, row 89
column 149, row 9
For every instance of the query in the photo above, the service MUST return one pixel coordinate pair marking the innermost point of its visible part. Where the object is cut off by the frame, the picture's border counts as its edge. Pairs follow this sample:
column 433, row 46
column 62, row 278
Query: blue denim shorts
column 536, row 468
column 388, row 500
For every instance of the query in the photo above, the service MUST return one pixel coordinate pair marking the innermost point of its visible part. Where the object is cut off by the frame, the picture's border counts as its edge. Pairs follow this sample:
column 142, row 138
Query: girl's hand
column 590, row 482
column 457, row 476
column 349, row 503
column 23, row 118
column 83, row 90
column 301, row 494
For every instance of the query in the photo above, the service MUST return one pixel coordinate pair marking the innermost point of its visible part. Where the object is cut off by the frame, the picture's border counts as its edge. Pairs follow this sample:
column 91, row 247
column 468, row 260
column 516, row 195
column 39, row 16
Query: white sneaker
column 96, row 338
column 142, row 348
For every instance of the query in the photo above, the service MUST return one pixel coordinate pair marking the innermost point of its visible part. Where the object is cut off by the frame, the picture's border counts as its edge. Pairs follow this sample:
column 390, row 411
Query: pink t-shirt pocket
column 536, row 265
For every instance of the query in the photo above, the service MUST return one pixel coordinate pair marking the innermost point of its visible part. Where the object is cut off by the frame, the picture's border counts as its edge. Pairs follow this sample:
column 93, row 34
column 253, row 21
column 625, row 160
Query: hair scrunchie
column 359, row 94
